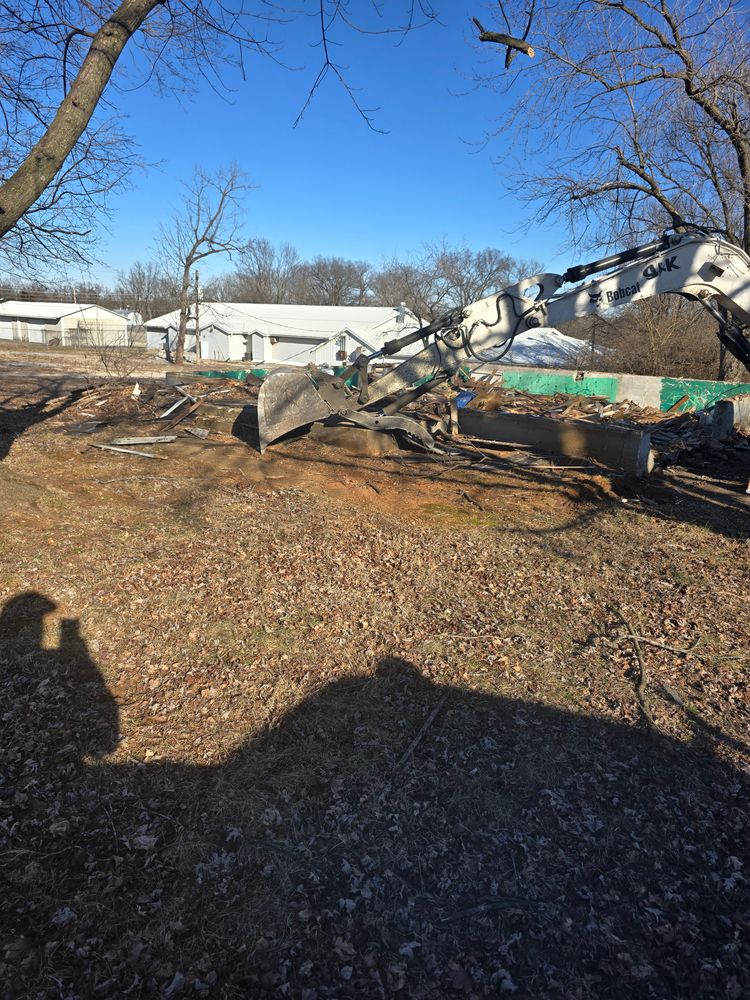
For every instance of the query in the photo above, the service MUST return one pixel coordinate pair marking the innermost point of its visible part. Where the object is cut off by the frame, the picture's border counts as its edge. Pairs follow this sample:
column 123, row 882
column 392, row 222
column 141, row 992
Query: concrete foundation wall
column 646, row 390
column 642, row 389
column 622, row 448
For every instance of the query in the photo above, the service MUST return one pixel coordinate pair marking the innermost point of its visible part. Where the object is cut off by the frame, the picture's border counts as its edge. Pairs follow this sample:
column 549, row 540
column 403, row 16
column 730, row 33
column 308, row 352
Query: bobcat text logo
column 668, row 264
column 623, row 293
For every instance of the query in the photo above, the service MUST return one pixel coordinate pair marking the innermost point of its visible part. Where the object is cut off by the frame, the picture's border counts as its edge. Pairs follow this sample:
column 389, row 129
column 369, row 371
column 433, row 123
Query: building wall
column 84, row 333
column 93, row 325
column 215, row 344
column 326, row 353
column 219, row 346
column 27, row 331
column 292, row 350
column 255, row 347
column 36, row 332
column 154, row 340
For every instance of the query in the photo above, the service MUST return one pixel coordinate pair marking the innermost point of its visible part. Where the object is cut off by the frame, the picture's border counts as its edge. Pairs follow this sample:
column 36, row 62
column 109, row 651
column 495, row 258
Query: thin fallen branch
column 165, row 479
column 421, row 734
column 642, row 681
column 444, row 470
column 663, row 645
column 126, row 451
column 679, row 650
column 471, row 499
column 458, row 635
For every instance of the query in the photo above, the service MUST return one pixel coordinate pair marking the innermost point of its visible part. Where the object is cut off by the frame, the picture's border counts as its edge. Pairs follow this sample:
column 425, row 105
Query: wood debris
column 173, row 407
column 126, row 451
column 674, row 431
column 158, row 439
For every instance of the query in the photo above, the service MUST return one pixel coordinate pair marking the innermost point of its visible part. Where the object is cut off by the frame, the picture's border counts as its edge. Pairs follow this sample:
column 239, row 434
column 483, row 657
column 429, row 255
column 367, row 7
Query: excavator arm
column 696, row 265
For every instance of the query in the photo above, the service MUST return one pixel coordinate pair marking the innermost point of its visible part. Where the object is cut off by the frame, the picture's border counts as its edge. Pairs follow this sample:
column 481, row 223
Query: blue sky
column 332, row 186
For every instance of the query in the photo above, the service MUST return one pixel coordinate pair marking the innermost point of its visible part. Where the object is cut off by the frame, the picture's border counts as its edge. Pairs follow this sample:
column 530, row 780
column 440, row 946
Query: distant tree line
column 430, row 283
column 663, row 336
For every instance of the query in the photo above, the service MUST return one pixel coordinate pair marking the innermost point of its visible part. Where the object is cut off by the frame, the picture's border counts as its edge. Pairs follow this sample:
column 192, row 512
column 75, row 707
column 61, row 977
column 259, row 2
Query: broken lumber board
column 623, row 448
column 125, row 451
column 158, row 439
column 173, row 407
column 185, row 413
column 676, row 407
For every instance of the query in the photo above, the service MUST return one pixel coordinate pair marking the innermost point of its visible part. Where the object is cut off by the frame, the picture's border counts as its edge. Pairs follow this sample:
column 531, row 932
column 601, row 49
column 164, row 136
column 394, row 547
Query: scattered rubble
column 163, row 406
column 673, row 432
column 201, row 406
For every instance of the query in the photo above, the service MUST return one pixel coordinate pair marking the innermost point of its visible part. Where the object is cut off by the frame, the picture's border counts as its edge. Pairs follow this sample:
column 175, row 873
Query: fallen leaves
column 233, row 822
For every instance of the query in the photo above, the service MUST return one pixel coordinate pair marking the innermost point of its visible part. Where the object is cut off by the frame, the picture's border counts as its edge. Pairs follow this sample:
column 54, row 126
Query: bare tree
column 207, row 224
column 640, row 108
column 334, row 281
column 467, row 275
column 445, row 277
column 266, row 273
column 147, row 289
column 666, row 335
column 61, row 145
column 409, row 282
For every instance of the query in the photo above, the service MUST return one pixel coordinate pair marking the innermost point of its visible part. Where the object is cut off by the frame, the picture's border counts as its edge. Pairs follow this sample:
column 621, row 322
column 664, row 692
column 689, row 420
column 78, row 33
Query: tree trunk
column 19, row 193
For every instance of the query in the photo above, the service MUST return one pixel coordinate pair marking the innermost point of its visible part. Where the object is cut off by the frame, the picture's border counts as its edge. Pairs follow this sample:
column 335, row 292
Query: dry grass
column 200, row 790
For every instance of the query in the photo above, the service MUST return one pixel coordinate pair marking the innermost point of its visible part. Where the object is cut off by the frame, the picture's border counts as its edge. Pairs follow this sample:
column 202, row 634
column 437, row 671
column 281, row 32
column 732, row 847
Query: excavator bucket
column 288, row 400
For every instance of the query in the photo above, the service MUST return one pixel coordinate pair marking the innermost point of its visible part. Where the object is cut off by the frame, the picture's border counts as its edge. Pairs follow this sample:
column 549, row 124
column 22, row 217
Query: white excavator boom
column 696, row 264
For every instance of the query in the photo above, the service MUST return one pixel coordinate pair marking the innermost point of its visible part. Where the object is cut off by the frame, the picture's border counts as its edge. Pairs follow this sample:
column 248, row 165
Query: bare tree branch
column 643, row 106
column 499, row 38
column 62, row 68
column 207, row 224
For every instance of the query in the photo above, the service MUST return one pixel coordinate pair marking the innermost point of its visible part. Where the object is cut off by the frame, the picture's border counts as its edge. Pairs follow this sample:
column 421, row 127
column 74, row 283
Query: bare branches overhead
column 639, row 113
column 61, row 145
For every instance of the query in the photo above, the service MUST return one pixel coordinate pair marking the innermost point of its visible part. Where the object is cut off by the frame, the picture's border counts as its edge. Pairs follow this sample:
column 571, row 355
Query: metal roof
column 272, row 320
column 18, row 309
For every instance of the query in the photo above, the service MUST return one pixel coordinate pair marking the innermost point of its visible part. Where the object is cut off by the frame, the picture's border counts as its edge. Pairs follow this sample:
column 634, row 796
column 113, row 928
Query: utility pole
column 593, row 341
column 197, row 319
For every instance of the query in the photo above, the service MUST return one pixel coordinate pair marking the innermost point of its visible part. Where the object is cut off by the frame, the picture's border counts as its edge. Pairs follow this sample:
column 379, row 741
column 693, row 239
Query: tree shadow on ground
column 514, row 847
column 17, row 414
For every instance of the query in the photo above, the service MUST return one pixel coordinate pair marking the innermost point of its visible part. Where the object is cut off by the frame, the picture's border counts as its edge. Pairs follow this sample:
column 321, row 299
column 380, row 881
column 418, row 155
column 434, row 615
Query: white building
column 65, row 324
column 285, row 334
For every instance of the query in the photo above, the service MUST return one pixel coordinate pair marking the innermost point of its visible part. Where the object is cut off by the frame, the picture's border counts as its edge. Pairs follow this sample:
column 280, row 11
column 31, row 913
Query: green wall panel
column 701, row 394
column 548, row 383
